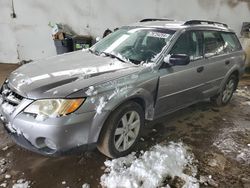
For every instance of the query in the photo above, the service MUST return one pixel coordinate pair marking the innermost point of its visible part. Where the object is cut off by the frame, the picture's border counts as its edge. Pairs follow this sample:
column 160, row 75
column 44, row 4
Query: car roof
column 178, row 25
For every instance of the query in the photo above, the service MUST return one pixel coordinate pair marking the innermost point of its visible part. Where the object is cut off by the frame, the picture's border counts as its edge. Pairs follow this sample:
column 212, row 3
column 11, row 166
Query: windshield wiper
column 112, row 56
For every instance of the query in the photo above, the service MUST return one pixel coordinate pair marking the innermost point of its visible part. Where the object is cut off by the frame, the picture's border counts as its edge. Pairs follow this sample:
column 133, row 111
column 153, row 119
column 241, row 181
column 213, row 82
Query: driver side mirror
column 177, row 59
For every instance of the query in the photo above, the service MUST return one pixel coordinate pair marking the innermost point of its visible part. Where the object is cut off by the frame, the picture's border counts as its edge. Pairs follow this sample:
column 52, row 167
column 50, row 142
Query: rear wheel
column 224, row 97
column 122, row 130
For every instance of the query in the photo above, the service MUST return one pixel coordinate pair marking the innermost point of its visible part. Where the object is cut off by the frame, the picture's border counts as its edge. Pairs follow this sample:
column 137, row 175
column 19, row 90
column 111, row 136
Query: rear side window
column 231, row 42
column 213, row 43
column 216, row 43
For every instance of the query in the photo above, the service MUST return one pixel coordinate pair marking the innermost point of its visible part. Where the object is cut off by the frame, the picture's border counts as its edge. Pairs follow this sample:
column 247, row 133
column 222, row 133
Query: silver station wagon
column 102, row 96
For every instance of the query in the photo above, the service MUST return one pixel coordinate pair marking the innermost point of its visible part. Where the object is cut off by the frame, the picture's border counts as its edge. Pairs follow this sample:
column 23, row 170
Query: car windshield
column 136, row 45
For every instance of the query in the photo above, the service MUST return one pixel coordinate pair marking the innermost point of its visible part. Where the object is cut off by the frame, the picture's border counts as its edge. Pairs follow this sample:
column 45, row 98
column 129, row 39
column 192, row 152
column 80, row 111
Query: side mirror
column 177, row 59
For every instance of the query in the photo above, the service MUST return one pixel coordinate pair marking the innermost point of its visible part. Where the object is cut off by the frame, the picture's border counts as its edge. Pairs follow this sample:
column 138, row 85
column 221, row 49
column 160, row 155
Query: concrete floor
column 199, row 126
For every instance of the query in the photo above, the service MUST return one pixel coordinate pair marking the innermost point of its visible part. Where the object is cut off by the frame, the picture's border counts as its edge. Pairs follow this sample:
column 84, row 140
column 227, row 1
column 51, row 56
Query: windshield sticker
column 158, row 35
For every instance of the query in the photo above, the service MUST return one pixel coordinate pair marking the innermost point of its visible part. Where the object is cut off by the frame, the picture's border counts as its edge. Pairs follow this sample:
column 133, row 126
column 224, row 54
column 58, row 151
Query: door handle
column 200, row 69
column 227, row 62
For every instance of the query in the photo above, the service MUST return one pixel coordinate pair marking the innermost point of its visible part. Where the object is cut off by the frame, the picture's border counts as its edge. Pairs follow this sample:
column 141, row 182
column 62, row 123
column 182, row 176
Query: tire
column 224, row 97
column 116, row 138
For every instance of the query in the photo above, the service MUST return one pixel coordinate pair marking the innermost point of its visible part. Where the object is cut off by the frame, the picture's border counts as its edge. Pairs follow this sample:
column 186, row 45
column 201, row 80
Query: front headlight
column 54, row 107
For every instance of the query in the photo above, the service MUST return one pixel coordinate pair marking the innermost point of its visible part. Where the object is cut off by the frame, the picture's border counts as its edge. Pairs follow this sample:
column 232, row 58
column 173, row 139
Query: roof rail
column 155, row 19
column 197, row 22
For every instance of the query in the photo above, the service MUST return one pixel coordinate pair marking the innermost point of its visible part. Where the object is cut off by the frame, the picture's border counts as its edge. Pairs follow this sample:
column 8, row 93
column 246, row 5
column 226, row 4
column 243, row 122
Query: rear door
column 218, row 48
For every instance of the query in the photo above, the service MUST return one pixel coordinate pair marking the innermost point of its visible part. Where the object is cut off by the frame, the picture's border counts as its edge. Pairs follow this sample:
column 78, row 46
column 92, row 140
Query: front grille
column 9, row 96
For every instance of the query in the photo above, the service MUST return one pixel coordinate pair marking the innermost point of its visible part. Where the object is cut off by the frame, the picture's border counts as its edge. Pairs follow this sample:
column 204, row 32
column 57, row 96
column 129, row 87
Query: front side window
column 189, row 43
column 135, row 44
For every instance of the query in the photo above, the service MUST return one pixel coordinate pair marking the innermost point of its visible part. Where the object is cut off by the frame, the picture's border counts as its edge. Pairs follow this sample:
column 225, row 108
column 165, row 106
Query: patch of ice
column 21, row 184
column 101, row 105
column 151, row 168
column 85, row 185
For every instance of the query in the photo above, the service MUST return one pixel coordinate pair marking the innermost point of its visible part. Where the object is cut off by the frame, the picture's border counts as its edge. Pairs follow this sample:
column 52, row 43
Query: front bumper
column 23, row 142
column 52, row 136
column 67, row 141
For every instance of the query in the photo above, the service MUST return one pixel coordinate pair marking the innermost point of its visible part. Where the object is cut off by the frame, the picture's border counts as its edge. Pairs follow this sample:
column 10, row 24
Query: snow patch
column 91, row 91
column 85, row 185
column 247, row 103
column 3, row 185
column 21, row 184
column 7, row 176
column 151, row 168
column 243, row 93
column 7, row 108
column 101, row 105
column 231, row 141
column 1, row 99
column 5, row 148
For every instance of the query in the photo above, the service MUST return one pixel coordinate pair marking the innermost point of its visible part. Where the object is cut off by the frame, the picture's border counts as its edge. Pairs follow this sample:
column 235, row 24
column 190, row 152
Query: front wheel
column 224, row 97
column 122, row 130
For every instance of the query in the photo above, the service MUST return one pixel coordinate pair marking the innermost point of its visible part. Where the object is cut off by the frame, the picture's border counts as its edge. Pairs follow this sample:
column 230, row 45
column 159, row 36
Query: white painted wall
column 29, row 36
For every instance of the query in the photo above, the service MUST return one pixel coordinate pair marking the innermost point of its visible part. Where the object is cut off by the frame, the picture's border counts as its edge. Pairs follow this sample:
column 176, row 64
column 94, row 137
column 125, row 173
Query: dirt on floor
column 219, row 138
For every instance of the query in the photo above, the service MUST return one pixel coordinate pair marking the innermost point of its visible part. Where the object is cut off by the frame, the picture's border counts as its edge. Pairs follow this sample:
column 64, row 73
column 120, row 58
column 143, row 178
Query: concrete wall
column 28, row 36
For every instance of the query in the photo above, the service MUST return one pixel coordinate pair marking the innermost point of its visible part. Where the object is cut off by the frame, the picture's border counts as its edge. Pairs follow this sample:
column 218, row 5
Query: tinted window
column 214, row 43
column 189, row 43
column 231, row 42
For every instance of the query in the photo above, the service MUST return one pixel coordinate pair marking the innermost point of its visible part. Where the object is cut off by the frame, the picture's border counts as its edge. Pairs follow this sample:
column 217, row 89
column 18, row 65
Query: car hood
column 62, row 75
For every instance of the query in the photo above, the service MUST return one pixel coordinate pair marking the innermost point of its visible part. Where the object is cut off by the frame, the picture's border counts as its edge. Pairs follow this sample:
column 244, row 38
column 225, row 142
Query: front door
column 180, row 86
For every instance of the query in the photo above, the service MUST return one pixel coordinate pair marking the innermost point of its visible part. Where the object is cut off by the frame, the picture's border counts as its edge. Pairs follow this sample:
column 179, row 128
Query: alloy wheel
column 228, row 91
column 127, row 131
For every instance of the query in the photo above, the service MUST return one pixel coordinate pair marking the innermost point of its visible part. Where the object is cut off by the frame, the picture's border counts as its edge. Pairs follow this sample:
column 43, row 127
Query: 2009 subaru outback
column 102, row 96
